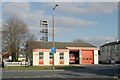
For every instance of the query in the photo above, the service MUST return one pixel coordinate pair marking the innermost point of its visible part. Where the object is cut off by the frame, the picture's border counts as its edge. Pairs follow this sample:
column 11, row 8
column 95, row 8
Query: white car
column 113, row 61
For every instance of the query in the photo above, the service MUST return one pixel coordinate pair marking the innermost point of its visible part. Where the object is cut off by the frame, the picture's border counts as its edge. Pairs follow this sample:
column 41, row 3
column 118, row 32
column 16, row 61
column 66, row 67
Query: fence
column 16, row 64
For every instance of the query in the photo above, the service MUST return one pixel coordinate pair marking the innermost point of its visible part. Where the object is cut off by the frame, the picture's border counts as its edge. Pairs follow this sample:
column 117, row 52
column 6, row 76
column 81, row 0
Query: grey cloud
column 15, row 8
column 87, row 8
column 15, row 0
column 73, row 22
column 98, row 41
column 33, row 18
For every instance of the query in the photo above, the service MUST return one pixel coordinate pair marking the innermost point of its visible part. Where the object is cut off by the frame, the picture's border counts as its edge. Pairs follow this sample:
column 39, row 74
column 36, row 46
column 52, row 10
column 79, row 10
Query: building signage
column 53, row 50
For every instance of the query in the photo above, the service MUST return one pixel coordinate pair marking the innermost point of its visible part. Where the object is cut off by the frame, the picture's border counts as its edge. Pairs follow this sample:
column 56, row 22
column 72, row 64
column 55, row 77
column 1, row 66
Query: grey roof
column 118, row 42
column 111, row 43
column 60, row 45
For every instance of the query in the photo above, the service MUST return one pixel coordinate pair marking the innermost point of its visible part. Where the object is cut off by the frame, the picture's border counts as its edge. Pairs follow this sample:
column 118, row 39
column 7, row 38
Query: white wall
column 119, row 52
column 104, row 55
column 66, row 58
column 80, row 56
column 95, row 56
column 0, row 57
column 56, row 58
column 46, row 58
column 35, row 58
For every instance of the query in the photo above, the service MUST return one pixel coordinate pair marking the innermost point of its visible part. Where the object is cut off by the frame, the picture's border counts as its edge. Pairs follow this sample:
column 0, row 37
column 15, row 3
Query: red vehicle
column 72, row 58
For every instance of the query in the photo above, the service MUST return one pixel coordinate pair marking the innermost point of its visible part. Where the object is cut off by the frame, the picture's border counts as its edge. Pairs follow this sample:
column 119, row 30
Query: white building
column 85, row 53
column 0, row 56
column 110, row 51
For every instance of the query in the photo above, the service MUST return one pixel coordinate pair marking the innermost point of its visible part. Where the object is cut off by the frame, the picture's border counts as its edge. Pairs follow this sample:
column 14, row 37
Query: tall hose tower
column 43, row 30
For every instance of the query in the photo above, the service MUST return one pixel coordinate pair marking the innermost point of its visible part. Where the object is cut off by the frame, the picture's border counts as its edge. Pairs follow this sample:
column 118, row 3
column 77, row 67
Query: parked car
column 113, row 61
column 107, row 61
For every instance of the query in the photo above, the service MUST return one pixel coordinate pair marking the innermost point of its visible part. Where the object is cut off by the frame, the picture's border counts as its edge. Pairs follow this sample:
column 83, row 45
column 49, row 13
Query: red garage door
column 87, row 57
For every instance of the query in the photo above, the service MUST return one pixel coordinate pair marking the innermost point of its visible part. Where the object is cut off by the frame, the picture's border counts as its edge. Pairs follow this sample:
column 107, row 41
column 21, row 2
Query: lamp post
column 53, row 33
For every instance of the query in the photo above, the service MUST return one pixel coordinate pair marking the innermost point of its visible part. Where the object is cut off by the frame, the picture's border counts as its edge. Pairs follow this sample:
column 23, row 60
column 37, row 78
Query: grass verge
column 40, row 67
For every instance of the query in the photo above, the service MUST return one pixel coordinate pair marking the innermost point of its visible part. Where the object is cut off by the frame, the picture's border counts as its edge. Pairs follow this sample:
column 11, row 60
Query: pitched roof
column 111, row 43
column 118, row 42
column 60, row 45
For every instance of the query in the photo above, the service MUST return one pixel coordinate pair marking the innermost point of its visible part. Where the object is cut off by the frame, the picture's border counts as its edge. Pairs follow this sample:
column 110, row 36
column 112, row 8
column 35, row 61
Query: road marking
column 47, row 76
column 63, row 77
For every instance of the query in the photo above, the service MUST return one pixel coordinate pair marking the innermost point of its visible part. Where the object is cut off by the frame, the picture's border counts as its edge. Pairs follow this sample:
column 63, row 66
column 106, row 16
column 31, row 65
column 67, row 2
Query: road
column 88, row 71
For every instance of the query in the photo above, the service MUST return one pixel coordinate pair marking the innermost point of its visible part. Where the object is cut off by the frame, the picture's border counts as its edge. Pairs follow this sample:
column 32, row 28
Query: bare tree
column 31, row 44
column 15, row 32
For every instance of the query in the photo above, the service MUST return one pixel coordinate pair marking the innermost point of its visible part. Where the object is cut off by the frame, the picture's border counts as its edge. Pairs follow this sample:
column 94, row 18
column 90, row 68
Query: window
column 102, row 49
column 62, row 56
column 40, row 55
column 51, row 55
column 83, row 58
column 86, row 58
column 43, row 31
column 117, row 47
column 90, row 58
column 62, row 53
column 46, row 31
column 112, row 47
column 107, row 48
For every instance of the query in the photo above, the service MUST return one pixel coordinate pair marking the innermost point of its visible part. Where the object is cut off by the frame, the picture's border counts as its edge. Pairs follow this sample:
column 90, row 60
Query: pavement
column 89, row 71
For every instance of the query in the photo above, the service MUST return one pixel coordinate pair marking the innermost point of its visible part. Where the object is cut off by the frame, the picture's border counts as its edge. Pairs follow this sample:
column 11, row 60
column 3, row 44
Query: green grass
column 40, row 67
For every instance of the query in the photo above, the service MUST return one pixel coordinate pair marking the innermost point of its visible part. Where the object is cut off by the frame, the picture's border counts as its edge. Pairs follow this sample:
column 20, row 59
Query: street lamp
column 53, row 33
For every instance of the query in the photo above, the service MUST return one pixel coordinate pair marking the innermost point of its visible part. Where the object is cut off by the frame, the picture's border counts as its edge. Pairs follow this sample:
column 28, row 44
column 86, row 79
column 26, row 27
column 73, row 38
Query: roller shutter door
column 87, row 57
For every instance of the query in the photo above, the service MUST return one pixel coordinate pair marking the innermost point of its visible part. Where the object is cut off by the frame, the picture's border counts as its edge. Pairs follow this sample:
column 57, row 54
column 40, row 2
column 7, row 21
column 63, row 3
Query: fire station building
column 66, row 53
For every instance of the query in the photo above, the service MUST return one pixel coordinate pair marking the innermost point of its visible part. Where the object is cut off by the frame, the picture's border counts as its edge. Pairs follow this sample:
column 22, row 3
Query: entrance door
column 87, row 57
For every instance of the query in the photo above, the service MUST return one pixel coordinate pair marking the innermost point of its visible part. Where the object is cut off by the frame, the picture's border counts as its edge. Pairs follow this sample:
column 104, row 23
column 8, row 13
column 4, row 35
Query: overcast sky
column 93, row 22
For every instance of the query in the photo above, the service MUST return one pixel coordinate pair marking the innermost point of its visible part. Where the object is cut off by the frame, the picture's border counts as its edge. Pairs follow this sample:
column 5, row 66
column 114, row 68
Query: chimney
column 117, row 40
column 107, row 41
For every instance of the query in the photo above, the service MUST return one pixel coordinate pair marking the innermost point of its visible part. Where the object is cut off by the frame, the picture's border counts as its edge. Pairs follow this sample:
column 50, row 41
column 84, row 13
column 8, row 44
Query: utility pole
column 53, row 34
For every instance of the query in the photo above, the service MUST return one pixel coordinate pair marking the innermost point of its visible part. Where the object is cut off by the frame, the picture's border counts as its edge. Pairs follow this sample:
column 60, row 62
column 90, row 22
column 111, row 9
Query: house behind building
column 110, row 51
